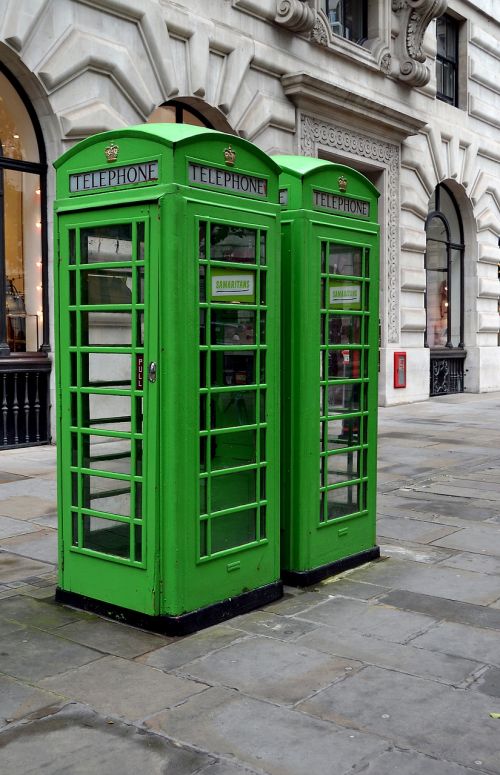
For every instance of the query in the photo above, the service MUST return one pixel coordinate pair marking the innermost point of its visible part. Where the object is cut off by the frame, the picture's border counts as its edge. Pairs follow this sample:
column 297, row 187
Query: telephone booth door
column 330, row 254
column 108, row 305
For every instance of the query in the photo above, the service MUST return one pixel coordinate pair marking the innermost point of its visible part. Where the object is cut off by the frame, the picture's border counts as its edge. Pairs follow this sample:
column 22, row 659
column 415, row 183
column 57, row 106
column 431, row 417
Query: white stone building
column 376, row 84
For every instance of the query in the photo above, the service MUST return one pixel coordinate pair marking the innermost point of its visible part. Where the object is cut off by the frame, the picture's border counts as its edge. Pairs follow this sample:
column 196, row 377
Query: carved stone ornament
column 386, row 63
column 296, row 15
column 316, row 134
column 414, row 17
column 321, row 31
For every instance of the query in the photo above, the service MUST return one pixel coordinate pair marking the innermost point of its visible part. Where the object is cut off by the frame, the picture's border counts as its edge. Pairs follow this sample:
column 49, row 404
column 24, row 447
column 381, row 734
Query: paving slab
column 407, row 763
column 183, row 650
column 440, row 608
column 368, row 618
column 481, row 539
column 40, row 545
column 78, row 741
column 45, row 614
column 12, row 527
column 31, row 654
column 16, row 568
column 272, row 625
column 489, row 683
column 275, row 740
column 282, row 673
column 452, row 583
column 112, row 637
column 462, row 640
column 478, row 563
column 26, row 506
column 412, row 529
column 18, row 700
column 407, row 550
column 122, row 688
column 448, row 669
column 453, row 724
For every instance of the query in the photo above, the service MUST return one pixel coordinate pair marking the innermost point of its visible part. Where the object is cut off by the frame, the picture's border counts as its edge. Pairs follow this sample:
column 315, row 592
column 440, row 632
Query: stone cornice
column 311, row 93
column 414, row 19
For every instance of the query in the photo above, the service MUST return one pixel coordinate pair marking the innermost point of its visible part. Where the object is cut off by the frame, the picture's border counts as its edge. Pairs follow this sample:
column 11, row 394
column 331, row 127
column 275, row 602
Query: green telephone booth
column 167, row 289
column 330, row 257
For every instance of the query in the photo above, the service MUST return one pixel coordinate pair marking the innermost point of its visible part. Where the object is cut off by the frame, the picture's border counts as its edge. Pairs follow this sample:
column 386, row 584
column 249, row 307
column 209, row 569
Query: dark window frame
column 37, row 168
column 451, row 26
column 450, row 245
column 344, row 4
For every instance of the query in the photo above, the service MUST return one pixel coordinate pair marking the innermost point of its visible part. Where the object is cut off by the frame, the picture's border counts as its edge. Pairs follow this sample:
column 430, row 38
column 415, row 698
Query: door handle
column 152, row 372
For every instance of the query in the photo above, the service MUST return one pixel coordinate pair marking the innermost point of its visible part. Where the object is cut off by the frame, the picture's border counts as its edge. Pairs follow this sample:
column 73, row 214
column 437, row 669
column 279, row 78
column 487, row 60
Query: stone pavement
column 393, row 668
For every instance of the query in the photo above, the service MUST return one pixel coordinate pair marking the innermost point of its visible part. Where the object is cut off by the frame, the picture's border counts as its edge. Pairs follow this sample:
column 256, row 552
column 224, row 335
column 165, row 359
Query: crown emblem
column 229, row 156
column 111, row 151
column 342, row 183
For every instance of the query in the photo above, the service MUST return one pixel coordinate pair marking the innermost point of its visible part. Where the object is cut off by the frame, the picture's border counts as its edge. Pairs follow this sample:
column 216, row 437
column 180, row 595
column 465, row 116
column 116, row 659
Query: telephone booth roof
column 311, row 183
column 170, row 145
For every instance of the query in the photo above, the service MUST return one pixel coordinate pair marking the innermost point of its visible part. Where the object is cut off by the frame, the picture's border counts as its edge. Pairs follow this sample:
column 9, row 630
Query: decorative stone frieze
column 297, row 15
column 414, row 18
column 314, row 133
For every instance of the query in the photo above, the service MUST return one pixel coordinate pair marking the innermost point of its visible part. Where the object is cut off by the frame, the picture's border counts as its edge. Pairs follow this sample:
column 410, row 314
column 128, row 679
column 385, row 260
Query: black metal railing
column 24, row 403
column 447, row 374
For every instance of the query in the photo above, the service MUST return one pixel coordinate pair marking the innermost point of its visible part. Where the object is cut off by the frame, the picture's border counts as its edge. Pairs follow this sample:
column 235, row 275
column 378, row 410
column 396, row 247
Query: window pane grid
column 232, row 388
column 115, row 531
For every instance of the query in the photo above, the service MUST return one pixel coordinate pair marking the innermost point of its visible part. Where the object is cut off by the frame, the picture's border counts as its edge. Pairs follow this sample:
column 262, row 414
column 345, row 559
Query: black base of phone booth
column 306, row 578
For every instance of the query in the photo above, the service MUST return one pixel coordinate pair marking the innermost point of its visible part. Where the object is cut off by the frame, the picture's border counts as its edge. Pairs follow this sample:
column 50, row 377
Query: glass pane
column 106, row 454
column 344, row 329
column 343, row 433
column 233, row 368
column 437, row 309
column 17, row 138
column 107, row 286
column 262, row 247
column 106, row 243
column 23, row 266
column 203, row 284
column 202, row 236
column 232, row 243
column 106, row 370
column 447, row 207
column 345, row 260
column 342, row 468
column 233, row 449
column 441, row 36
column 233, row 530
column 455, row 296
column 111, row 495
column 345, row 364
column 110, row 413
column 106, row 535
column 107, row 328
column 233, row 326
column 233, row 490
column 138, row 543
column 344, row 500
column 344, row 398
column 436, row 254
column 231, row 409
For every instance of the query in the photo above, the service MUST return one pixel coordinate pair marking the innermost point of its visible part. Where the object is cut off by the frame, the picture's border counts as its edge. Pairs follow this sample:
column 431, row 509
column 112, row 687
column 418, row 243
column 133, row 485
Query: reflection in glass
column 233, row 326
column 343, row 398
column 106, row 369
column 345, row 364
column 232, row 490
column 233, row 530
column 230, row 450
column 345, row 260
column 232, row 409
column 343, row 433
column 106, row 243
column 232, row 243
column 106, row 328
column 233, row 368
column 106, row 454
column 343, row 467
column 106, row 535
column 344, row 329
column 437, row 308
column 110, row 495
column 106, row 286
column 342, row 501
column 110, row 413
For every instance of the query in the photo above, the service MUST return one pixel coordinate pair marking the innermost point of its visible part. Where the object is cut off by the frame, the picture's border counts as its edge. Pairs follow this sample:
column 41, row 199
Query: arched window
column 190, row 110
column 23, row 228
column 444, row 266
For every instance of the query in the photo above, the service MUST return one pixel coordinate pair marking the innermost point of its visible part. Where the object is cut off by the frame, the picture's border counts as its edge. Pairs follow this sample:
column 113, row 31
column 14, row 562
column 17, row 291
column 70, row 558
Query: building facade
column 406, row 91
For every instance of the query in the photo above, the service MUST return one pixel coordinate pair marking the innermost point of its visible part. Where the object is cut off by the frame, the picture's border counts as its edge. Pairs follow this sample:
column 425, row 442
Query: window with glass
column 23, row 231
column 444, row 271
column 447, row 59
column 177, row 112
column 348, row 18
